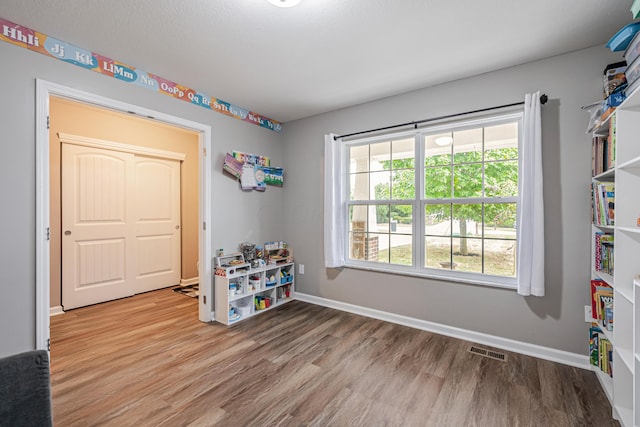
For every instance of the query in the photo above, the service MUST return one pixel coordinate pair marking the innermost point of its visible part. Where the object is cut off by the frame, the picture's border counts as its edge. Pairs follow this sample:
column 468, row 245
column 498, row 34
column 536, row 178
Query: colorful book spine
column 603, row 203
column 600, row 350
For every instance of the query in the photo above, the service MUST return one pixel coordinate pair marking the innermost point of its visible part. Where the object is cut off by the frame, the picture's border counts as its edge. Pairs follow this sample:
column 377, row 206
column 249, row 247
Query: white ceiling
column 290, row 63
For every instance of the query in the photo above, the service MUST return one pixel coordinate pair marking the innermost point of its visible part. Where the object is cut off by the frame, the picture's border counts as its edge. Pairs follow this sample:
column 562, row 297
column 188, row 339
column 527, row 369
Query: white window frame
column 419, row 202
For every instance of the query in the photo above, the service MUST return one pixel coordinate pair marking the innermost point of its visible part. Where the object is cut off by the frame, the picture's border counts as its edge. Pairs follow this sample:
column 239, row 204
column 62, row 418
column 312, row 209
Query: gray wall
column 554, row 321
column 237, row 216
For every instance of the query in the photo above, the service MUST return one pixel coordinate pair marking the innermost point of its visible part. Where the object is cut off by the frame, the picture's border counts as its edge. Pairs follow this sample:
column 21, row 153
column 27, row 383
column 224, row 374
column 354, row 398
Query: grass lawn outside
column 499, row 256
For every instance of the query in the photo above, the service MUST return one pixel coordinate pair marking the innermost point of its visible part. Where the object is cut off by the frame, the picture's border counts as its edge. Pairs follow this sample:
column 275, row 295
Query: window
column 440, row 201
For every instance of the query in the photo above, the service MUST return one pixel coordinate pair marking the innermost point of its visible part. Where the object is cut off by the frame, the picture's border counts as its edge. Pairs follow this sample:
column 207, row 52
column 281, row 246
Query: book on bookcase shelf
column 613, row 136
column 604, row 253
column 601, row 160
column 600, row 350
column 603, row 150
column 603, row 203
column 602, row 303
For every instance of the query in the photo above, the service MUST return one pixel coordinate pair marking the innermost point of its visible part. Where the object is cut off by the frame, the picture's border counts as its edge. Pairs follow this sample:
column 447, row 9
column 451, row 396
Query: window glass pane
column 401, row 250
column 467, row 251
column 437, row 220
column 438, row 149
column 377, row 247
column 501, row 142
column 403, row 154
column 380, row 185
column 467, row 255
column 401, row 219
column 501, row 178
column 358, row 228
column 359, row 186
column 380, row 156
column 467, row 181
column 438, row 159
column 500, row 257
column 356, row 245
column 438, row 252
column 467, row 221
column 359, row 159
column 437, row 182
column 467, row 146
column 358, row 218
column 379, row 218
column 500, row 220
column 403, row 184
column 397, row 246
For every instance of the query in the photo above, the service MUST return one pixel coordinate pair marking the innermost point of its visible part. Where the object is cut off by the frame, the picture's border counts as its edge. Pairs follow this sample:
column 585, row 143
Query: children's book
column 594, row 332
column 598, row 285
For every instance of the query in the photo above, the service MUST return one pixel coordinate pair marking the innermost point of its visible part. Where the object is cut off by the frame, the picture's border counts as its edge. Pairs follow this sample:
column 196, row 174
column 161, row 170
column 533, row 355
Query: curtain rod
column 543, row 100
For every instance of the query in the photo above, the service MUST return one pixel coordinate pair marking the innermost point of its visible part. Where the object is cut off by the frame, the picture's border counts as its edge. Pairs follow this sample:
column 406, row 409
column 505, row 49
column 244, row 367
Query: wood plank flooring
column 148, row 361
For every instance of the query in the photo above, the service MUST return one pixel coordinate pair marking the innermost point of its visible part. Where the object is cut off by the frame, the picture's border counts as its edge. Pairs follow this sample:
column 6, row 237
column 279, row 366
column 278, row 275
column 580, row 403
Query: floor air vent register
column 488, row 353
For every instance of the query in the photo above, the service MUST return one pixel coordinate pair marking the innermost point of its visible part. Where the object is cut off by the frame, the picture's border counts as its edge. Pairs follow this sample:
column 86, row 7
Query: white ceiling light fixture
column 443, row 141
column 284, row 3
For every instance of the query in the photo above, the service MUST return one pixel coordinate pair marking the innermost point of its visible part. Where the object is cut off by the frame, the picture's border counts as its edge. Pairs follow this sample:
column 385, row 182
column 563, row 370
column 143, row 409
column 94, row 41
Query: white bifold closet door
column 120, row 224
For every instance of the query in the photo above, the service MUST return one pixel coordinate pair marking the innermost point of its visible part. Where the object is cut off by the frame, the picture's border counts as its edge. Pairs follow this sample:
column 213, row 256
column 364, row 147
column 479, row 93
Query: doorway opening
column 123, row 205
column 45, row 92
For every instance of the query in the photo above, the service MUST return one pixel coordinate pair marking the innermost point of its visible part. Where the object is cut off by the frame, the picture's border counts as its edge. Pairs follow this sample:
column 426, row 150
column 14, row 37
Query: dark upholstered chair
column 25, row 390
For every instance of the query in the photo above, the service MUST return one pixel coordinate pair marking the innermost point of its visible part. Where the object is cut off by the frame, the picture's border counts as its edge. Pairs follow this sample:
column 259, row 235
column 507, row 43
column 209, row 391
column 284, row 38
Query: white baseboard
column 546, row 353
column 187, row 282
column 55, row 311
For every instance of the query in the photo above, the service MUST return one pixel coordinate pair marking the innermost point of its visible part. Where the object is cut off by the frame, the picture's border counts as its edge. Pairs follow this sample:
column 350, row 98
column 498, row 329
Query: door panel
column 100, row 262
column 97, row 230
column 157, row 223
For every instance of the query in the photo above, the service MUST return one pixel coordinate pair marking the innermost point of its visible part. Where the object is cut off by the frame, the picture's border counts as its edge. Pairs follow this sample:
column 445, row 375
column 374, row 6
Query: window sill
column 457, row 277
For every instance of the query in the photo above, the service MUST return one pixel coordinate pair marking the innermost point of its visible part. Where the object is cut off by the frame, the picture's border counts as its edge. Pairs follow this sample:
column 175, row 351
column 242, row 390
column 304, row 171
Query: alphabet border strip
column 51, row 47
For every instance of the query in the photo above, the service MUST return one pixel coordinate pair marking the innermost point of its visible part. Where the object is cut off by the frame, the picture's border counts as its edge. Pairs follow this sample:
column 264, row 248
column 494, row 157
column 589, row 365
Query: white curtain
column 531, row 213
column 334, row 204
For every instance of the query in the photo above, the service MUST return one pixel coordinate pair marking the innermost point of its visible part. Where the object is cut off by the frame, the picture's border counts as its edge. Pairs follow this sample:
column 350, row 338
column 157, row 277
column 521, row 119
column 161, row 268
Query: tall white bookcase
column 623, row 389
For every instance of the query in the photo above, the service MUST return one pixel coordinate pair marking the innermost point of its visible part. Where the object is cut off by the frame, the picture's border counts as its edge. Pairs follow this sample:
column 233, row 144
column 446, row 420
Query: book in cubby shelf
column 602, row 303
column 603, row 150
column 600, row 350
column 603, row 247
column 603, row 202
column 601, row 160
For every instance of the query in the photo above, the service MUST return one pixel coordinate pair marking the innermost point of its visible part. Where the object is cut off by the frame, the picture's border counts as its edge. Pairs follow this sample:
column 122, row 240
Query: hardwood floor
column 148, row 361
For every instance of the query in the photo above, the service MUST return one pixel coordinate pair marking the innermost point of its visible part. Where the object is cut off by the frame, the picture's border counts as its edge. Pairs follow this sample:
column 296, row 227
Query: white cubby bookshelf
column 239, row 291
column 623, row 388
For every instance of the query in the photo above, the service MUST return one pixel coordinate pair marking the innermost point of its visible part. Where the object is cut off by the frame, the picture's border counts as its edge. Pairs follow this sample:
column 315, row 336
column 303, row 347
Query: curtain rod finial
column 544, row 98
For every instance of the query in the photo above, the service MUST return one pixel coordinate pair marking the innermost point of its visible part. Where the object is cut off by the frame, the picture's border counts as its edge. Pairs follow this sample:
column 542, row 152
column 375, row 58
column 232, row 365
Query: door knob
column 67, row 233
column 177, row 227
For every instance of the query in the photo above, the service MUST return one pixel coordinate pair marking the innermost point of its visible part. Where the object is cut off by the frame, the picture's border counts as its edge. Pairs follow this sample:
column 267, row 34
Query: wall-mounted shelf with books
column 615, row 268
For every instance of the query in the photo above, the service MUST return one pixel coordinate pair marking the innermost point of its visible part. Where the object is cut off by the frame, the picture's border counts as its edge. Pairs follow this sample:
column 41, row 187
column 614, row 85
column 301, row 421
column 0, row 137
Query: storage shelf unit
column 623, row 390
column 247, row 292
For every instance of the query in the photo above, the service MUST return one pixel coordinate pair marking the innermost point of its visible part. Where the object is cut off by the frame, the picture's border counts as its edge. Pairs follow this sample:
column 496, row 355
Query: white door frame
column 44, row 90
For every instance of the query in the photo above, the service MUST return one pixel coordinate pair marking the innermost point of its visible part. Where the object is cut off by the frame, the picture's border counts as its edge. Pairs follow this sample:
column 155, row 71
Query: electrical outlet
column 588, row 316
column 301, row 268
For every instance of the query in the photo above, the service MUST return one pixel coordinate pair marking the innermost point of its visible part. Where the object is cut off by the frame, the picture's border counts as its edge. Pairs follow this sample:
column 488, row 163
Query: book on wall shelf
column 602, row 304
column 603, row 201
column 602, row 155
column 604, row 253
column 600, row 350
column 613, row 136
column 603, row 147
